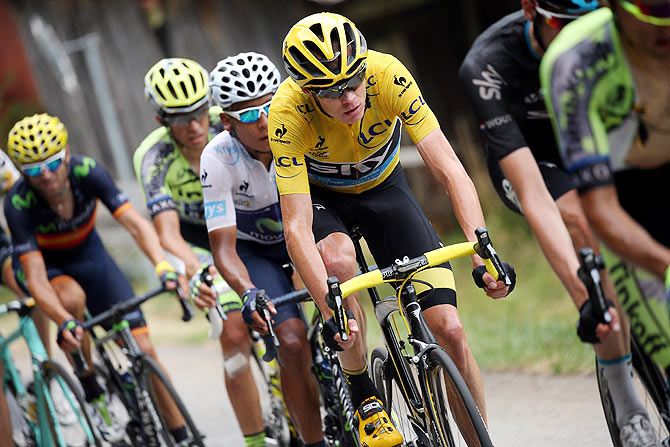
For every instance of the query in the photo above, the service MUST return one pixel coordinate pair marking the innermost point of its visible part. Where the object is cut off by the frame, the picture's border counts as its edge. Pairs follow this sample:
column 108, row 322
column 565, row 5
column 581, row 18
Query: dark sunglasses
column 184, row 119
column 336, row 91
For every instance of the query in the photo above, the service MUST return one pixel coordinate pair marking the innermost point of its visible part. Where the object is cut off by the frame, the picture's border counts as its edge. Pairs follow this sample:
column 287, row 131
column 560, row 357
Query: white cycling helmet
column 242, row 77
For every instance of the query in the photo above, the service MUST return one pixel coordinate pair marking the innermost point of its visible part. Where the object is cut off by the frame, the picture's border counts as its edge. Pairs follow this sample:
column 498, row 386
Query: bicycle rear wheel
column 153, row 370
column 651, row 385
column 278, row 426
column 66, row 408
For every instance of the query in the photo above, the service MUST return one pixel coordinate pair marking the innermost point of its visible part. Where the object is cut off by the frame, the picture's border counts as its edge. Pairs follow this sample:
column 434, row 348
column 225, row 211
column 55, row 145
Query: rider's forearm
column 232, row 269
column 623, row 234
column 307, row 260
column 175, row 244
column 146, row 237
column 547, row 225
column 48, row 300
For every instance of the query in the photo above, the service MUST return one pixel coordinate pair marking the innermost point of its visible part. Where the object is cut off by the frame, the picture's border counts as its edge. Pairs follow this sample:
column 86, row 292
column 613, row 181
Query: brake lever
column 334, row 302
column 208, row 279
column 590, row 276
column 485, row 250
column 262, row 308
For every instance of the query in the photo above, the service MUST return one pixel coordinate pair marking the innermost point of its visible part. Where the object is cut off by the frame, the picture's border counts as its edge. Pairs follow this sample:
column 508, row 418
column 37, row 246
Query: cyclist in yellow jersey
column 334, row 131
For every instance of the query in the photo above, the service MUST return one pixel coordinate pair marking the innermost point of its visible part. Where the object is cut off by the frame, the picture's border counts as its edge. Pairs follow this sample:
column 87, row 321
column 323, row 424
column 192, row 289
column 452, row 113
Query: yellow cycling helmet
column 36, row 138
column 323, row 49
column 176, row 85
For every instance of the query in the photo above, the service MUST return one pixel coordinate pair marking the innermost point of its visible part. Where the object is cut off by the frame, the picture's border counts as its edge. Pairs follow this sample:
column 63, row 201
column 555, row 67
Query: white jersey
column 8, row 173
column 238, row 190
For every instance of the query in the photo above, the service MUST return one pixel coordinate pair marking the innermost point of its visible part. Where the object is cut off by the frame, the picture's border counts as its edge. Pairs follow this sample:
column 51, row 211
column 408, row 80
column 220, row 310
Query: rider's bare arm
column 228, row 263
column 621, row 233
column 445, row 166
column 297, row 214
column 544, row 218
column 41, row 289
column 167, row 226
column 143, row 232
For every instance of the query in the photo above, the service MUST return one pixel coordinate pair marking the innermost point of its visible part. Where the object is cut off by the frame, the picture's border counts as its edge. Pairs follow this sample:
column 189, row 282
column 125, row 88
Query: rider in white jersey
column 239, row 190
column 245, row 225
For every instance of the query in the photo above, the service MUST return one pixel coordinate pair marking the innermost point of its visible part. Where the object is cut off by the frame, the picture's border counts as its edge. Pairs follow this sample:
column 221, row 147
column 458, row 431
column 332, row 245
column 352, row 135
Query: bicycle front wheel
column 66, row 409
column 651, row 386
column 455, row 419
column 153, row 371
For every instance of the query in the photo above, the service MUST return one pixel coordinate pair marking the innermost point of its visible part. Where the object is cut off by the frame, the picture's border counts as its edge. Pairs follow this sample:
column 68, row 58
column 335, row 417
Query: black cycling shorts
column 557, row 180
column 637, row 190
column 265, row 266
column 97, row 273
column 392, row 223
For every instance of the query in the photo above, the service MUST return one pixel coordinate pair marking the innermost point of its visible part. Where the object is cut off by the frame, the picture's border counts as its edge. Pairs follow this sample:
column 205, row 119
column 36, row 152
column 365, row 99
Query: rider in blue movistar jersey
column 58, row 256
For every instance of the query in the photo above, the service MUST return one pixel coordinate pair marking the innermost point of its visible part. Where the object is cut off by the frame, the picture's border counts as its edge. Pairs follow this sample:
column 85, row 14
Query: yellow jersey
column 310, row 146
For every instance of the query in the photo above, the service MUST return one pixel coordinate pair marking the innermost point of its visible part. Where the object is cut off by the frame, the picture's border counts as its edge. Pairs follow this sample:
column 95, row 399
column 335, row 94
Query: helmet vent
column 251, row 86
column 246, row 73
column 171, row 88
column 318, row 31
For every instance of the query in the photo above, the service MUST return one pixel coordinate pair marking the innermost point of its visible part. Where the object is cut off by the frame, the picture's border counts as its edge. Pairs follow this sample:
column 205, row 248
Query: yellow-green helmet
column 312, row 50
column 36, row 138
column 176, row 85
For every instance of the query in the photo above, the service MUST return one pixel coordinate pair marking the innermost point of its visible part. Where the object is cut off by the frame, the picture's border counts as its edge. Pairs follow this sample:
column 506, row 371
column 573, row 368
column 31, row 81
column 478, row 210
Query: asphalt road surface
column 524, row 410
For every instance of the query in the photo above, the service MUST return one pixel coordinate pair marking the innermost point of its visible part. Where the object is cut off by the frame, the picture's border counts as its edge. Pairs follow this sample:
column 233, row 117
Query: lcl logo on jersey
column 279, row 134
column 402, row 82
column 489, row 85
column 304, row 108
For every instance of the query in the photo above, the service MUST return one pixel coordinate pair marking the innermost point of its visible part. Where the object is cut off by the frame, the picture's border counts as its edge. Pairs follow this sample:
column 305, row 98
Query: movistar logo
column 26, row 202
column 47, row 228
column 84, row 169
column 265, row 223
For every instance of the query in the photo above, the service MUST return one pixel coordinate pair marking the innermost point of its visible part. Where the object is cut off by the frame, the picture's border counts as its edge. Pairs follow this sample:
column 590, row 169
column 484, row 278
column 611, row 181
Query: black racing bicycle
column 130, row 377
column 422, row 389
column 336, row 408
column 651, row 380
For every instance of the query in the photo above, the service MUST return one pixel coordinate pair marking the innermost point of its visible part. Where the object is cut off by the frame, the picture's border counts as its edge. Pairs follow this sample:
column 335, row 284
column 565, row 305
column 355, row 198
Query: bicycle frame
column 44, row 402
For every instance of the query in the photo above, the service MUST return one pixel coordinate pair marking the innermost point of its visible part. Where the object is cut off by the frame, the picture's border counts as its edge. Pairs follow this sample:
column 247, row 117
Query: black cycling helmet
column 569, row 7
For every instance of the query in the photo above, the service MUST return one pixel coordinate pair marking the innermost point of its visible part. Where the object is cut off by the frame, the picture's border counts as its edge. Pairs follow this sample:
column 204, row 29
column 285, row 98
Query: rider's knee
column 235, row 337
column 338, row 254
column 451, row 336
column 294, row 352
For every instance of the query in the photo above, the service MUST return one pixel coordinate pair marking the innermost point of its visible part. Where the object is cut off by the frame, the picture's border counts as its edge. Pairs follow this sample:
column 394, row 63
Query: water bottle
column 129, row 386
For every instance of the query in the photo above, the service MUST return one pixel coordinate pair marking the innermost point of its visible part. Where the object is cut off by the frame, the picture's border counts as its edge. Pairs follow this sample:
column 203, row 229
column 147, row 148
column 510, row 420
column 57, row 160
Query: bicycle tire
column 278, row 426
column 383, row 374
column 52, row 371
column 651, row 384
column 443, row 378
column 151, row 367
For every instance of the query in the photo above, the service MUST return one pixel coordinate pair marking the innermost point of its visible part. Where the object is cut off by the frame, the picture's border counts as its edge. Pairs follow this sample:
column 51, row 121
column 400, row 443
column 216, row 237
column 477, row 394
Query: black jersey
column 500, row 75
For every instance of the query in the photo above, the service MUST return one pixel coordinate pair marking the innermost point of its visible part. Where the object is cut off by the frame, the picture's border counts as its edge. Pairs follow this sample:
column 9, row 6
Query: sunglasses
column 51, row 164
column 336, row 91
column 184, row 119
column 554, row 19
column 658, row 15
column 250, row 114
